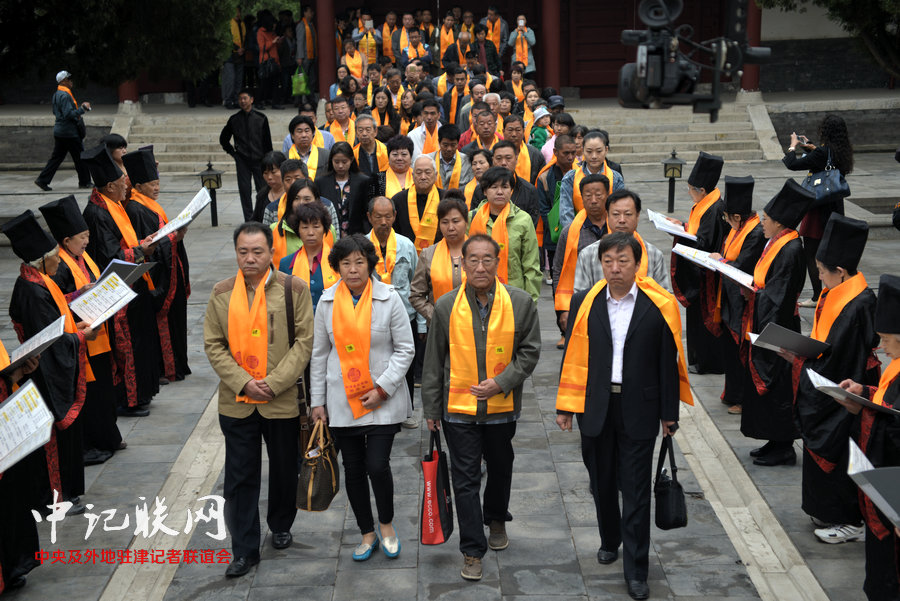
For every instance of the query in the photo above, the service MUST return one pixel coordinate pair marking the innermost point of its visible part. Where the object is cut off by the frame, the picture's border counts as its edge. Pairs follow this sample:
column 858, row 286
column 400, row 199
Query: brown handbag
column 302, row 393
column 319, row 479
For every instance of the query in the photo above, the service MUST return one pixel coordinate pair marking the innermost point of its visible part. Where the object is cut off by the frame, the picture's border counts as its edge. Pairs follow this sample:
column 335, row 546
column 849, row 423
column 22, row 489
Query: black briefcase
column 671, row 510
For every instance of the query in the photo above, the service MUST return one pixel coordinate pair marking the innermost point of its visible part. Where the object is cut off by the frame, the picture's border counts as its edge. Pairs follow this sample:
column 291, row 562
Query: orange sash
column 442, row 271
column 386, row 48
column 546, row 167
column 413, row 51
column 498, row 352
column 446, row 40
column 351, row 327
column 521, row 48
column 517, row 90
column 338, row 132
column 69, row 92
column 769, row 254
column 126, row 229
column 498, row 233
column 470, row 191
column 312, row 163
column 493, row 142
column 150, row 204
column 832, row 302
column 454, row 97
column 493, row 33
column 70, row 328
column 426, row 229
column 385, row 265
column 101, row 343
column 405, row 124
column 644, row 267
column 392, row 185
column 731, row 250
column 887, row 378
column 699, row 210
column 354, row 64
column 248, row 332
column 310, row 43
column 370, row 45
column 573, row 381
column 528, row 118
column 577, row 201
column 566, row 286
column 523, row 163
column 455, row 174
column 381, row 153
column 431, row 140
column 302, row 270
column 470, row 28
column 4, row 358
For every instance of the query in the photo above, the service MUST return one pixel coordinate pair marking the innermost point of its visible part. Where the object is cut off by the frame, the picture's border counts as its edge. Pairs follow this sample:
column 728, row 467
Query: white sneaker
column 840, row 533
column 410, row 423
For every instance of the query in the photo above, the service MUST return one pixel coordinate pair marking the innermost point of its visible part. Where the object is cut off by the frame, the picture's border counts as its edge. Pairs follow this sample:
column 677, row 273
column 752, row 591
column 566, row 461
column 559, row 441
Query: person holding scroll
column 76, row 273
column 113, row 236
column 878, row 435
column 63, row 370
column 778, row 281
column 845, row 319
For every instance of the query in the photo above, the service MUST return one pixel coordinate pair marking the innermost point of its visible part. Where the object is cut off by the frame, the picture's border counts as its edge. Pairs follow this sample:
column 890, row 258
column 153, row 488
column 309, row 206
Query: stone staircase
column 648, row 136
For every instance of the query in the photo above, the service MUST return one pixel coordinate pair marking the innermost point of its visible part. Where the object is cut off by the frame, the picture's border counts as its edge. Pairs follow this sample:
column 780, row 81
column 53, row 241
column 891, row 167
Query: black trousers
column 614, row 461
column 99, row 411
column 246, row 168
column 366, row 455
column 881, row 567
column 62, row 147
column 735, row 372
column 243, row 457
column 810, row 248
column 468, row 444
column 703, row 349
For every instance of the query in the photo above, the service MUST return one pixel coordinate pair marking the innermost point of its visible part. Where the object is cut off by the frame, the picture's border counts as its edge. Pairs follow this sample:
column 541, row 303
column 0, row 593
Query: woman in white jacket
column 362, row 349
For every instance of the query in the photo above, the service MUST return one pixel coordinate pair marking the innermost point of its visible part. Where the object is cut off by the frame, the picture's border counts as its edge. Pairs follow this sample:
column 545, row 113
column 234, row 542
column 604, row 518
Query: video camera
column 663, row 75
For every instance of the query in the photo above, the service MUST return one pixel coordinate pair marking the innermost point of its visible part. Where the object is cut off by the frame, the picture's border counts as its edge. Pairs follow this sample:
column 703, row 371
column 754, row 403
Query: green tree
column 111, row 41
column 874, row 22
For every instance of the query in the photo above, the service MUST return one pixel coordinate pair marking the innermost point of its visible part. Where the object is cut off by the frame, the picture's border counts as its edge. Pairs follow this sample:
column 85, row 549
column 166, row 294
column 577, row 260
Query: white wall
column 812, row 24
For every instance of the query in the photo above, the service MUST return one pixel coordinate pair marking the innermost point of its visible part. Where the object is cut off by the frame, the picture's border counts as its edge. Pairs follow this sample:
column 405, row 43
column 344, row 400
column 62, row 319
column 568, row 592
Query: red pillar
column 750, row 79
column 551, row 42
column 326, row 50
column 128, row 90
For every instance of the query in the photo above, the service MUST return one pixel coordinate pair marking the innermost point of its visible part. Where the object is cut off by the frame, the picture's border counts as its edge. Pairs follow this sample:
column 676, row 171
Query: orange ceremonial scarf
column 498, row 233
column 248, row 332
column 769, row 254
column 442, row 271
column 517, row 90
column 392, row 185
column 338, row 132
column 380, row 153
column 312, row 163
column 69, row 92
column 447, row 39
column 370, row 44
column 493, row 32
column 522, row 49
column 498, row 352
column 426, row 229
column 832, row 302
column 523, row 163
column 310, row 43
column 577, row 201
column 470, row 190
column 101, row 343
column 454, row 175
column 150, row 204
column 119, row 215
column 386, row 48
column 354, row 63
column 351, row 326
column 887, row 378
column 385, row 265
column 566, row 286
column 70, row 328
column 431, row 140
column 302, row 270
column 699, row 210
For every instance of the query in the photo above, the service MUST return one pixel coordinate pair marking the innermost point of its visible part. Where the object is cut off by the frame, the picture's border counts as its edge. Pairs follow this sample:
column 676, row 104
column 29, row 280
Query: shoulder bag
column 301, row 380
column 319, row 479
column 671, row 511
column 828, row 185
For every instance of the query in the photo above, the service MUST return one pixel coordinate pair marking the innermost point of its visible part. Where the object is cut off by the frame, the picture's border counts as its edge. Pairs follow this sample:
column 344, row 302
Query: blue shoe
column 364, row 550
column 390, row 545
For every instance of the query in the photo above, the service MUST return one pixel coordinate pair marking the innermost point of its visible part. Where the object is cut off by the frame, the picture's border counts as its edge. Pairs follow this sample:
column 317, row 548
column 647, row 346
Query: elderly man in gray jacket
column 68, row 131
column 623, row 211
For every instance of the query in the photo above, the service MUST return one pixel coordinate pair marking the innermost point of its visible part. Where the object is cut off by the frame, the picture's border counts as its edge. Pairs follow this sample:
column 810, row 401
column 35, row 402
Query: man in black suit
column 621, row 377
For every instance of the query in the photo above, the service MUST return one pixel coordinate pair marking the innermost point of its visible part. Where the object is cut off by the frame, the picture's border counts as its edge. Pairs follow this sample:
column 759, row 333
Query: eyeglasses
column 486, row 262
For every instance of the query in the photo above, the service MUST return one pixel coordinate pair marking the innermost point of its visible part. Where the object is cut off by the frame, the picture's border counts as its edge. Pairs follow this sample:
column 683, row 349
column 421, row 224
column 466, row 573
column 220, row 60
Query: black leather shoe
column 606, row 557
column 787, row 457
column 240, row 566
column 282, row 540
column 133, row 411
column 638, row 589
column 760, row 451
column 43, row 187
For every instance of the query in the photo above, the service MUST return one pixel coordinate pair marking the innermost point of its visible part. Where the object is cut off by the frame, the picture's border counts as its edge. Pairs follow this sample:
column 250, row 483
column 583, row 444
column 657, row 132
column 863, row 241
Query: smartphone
column 368, row 24
column 521, row 23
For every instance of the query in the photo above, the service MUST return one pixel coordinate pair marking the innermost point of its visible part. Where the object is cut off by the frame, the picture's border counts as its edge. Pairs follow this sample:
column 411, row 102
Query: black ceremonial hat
column 706, row 171
column 100, row 162
column 790, row 204
column 141, row 166
column 29, row 240
column 64, row 218
column 739, row 195
column 843, row 242
column 887, row 309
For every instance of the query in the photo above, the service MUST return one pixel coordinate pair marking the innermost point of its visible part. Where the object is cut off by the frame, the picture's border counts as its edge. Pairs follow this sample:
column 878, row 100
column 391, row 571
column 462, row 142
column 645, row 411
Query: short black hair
column 272, row 160
column 291, row 165
column 348, row 245
column 448, row 132
column 373, row 67
column 400, row 142
column 253, row 227
column 578, row 130
column 619, row 241
column 488, row 155
column 371, row 204
column 513, row 118
column 562, row 140
column 300, row 184
column 593, row 178
column 310, row 212
column 454, row 200
column 505, row 144
column 339, row 100
column 479, row 28
column 624, row 193
column 299, row 120
column 394, row 72
column 564, row 118
column 480, row 106
column 496, row 175
column 430, row 103
column 480, row 238
column 246, row 91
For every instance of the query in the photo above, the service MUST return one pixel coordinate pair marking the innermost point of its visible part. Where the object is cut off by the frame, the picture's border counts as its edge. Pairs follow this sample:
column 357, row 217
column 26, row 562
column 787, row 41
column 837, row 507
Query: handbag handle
column 666, row 448
column 316, row 437
column 435, row 442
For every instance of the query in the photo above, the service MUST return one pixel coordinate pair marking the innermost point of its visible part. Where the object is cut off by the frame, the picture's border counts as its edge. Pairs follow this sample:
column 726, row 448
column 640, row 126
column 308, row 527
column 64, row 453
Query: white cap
column 540, row 112
column 62, row 75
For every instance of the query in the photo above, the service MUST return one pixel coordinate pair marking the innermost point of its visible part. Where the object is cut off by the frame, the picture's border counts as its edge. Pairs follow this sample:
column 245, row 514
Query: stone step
column 647, row 158
column 616, row 138
column 195, row 167
column 711, row 146
column 193, row 157
column 737, row 126
column 652, row 117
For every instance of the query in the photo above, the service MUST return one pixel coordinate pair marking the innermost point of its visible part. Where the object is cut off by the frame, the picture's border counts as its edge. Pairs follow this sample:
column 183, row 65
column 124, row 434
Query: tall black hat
column 738, row 195
column 843, row 242
column 63, row 217
column 790, row 204
column 100, row 162
column 141, row 166
column 29, row 240
column 887, row 309
column 706, row 171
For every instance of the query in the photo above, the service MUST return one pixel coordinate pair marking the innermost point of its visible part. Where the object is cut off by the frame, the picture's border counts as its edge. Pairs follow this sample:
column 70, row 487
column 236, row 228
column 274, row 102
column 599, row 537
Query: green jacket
column 436, row 365
column 524, row 267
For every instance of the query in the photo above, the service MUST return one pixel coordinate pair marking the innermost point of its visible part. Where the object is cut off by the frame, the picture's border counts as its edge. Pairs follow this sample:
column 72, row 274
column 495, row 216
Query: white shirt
column 620, row 312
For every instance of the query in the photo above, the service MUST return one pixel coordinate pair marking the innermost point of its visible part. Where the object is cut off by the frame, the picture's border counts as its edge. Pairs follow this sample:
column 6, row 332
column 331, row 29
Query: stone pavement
column 733, row 548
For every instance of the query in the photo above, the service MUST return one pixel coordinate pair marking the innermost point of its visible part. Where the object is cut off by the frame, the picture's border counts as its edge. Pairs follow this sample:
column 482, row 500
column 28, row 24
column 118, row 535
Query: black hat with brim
column 141, row 166
column 28, row 239
column 739, row 195
column 706, row 172
column 100, row 162
column 63, row 217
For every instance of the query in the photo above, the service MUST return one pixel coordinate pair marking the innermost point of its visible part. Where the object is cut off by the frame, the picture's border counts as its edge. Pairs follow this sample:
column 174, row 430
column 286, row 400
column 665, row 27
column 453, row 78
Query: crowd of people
column 404, row 243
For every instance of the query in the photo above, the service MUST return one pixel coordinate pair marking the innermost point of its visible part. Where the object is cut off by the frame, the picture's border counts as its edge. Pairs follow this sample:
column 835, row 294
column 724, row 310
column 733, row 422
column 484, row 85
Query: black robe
column 828, row 492
column 102, row 396
column 695, row 289
column 136, row 339
column 769, row 394
column 733, row 304
column 60, row 378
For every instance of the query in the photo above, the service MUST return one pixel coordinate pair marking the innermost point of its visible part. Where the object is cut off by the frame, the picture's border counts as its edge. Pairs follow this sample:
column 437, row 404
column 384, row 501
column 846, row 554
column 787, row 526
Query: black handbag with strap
column 671, row 510
column 302, row 393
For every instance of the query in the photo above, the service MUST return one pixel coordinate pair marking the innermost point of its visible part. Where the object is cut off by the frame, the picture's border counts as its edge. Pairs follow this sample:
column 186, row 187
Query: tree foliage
column 111, row 41
column 874, row 22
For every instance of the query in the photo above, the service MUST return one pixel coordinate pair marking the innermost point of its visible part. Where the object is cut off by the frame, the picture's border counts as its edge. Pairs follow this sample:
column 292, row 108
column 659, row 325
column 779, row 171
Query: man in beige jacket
column 257, row 395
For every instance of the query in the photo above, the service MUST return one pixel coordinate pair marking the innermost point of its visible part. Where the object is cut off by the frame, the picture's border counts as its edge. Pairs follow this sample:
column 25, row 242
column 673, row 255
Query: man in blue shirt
column 68, row 131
